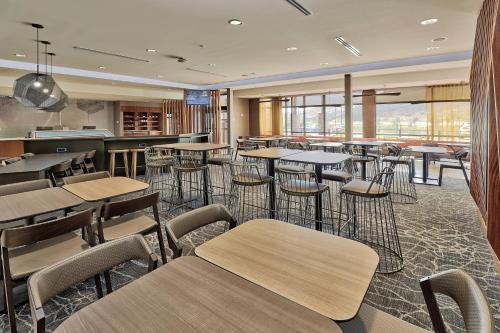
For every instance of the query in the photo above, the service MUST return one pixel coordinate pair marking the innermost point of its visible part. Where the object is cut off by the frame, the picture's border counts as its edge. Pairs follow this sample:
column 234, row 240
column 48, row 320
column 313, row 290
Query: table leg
column 318, row 168
column 272, row 189
column 268, row 143
column 425, row 167
column 205, row 178
column 364, row 152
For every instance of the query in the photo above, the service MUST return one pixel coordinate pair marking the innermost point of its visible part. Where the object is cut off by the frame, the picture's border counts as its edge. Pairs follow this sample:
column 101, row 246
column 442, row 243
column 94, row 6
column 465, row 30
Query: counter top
column 113, row 138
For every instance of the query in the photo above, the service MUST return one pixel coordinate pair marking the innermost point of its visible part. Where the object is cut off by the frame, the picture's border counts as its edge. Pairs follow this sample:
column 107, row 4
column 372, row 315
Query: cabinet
column 139, row 121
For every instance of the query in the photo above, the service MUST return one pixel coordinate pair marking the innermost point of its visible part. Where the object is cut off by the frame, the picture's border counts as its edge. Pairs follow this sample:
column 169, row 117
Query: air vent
column 204, row 72
column 299, row 7
column 109, row 54
column 348, row 46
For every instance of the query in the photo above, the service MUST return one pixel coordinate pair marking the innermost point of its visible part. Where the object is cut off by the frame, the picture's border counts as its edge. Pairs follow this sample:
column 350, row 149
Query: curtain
column 448, row 120
column 270, row 118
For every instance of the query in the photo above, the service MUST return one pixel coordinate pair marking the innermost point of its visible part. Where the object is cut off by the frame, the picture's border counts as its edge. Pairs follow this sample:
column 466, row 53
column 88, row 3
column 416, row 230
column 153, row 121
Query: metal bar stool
column 371, row 218
column 403, row 188
column 112, row 161
column 250, row 191
column 135, row 152
column 159, row 173
column 217, row 162
column 336, row 177
column 298, row 191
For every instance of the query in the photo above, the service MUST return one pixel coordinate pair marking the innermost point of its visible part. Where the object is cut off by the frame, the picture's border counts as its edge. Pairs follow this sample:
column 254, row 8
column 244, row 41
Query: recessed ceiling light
column 291, row 48
column 211, row 65
column 151, row 50
column 439, row 39
column 159, row 76
column 20, row 55
column 323, row 63
column 102, row 67
column 433, row 48
column 429, row 21
column 235, row 22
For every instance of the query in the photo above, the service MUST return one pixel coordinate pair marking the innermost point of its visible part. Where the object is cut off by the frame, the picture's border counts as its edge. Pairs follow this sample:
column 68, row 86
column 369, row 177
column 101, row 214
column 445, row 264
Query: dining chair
column 183, row 224
column 52, row 280
column 458, row 163
column 14, row 188
column 127, row 217
column 26, row 250
column 59, row 171
column 465, row 291
column 78, row 164
column 89, row 161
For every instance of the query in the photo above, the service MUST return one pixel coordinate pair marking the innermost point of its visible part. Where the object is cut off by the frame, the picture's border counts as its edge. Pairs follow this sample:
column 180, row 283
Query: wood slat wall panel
column 181, row 118
column 485, row 172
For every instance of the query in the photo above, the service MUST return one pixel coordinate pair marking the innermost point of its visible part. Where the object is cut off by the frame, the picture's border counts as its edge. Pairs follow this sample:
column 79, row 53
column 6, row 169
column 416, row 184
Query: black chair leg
column 440, row 174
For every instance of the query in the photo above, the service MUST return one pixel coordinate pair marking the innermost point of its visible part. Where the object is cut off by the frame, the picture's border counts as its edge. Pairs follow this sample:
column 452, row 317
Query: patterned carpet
column 440, row 232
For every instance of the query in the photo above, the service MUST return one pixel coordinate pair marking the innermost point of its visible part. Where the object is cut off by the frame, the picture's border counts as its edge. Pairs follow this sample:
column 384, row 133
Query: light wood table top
column 193, row 146
column 428, row 150
column 327, row 144
column 29, row 204
column 327, row 274
column 191, row 295
column 317, row 157
column 105, row 188
column 270, row 153
column 39, row 162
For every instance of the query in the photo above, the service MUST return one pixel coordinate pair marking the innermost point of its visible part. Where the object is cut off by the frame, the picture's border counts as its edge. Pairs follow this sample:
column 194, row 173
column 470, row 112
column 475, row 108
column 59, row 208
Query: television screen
column 198, row 97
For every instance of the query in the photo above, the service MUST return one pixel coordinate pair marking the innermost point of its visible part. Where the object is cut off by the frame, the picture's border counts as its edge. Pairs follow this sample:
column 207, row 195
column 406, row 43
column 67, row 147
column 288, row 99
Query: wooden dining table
column 191, row 295
column 105, row 188
column 327, row 274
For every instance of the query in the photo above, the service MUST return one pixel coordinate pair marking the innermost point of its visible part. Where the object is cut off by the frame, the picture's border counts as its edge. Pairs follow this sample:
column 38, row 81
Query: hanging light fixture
column 39, row 90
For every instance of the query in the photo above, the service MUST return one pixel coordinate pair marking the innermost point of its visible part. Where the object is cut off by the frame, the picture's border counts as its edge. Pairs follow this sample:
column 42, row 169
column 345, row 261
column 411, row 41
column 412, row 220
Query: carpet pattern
column 441, row 231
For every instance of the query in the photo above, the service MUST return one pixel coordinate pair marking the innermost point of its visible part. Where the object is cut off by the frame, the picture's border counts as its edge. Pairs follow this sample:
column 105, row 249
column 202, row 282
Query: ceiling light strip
column 348, row 46
column 109, row 54
column 299, row 7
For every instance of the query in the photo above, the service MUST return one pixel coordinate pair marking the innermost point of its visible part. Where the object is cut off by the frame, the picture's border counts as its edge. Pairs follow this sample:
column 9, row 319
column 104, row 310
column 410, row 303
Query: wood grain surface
column 105, row 188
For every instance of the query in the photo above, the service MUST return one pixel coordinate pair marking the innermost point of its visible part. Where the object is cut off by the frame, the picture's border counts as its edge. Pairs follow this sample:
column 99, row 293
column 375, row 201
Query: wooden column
column 253, row 117
column 369, row 114
column 348, row 107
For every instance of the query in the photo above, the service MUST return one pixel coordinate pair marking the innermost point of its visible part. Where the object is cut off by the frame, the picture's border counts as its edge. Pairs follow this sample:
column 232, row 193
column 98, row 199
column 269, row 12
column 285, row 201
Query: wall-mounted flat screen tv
column 198, row 97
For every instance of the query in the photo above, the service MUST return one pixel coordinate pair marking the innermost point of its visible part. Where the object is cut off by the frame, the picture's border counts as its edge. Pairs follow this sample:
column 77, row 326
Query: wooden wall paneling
column 369, row 113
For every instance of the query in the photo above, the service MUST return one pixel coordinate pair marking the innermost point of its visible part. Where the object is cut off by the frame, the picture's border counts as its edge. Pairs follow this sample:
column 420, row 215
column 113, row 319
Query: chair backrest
column 62, row 166
column 465, row 291
column 461, row 154
column 31, row 185
column 32, row 234
column 195, row 219
column 79, row 159
column 12, row 160
column 52, row 280
column 383, row 179
column 86, row 177
column 90, row 155
column 123, row 207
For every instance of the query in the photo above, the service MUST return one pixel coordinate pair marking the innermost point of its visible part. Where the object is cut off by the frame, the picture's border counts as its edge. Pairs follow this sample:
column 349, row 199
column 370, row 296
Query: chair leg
column 98, row 285
column 161, row 243
column 9, row 304
column 465, row 173
column 107, row 278
column 440, row 175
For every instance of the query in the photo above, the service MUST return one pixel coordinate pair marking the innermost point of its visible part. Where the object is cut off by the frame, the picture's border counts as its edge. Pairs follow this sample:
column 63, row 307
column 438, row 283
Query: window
column 402, row 120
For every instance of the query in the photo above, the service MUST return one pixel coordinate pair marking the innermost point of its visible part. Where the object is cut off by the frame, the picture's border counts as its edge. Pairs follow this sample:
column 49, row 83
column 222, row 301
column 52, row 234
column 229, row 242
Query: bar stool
column 217, row 162
column 250, row 191
column 371, row 218
column 89, row 162
column 159, row 173
column 112, row 160
column 134, row 167
column 298, row 192
column 403, row 188
column 59, row 171
column 336, row 178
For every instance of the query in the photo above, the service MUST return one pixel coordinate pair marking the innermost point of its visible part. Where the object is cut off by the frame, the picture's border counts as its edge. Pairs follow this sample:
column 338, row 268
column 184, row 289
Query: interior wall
column 17, row 120
column 239, row 117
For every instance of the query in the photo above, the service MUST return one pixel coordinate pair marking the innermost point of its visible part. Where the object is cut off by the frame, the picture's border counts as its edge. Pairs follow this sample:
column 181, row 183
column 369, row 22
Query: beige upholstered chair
column 124, row 218
column 195, row 219
column 52, row 280
column 462, row 288
column 86, row 177
column 21, row 187
column 26, row 250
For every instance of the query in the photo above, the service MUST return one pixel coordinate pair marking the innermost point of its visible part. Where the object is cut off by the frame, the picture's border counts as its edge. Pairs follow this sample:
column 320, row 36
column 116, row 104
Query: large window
column 402, row 121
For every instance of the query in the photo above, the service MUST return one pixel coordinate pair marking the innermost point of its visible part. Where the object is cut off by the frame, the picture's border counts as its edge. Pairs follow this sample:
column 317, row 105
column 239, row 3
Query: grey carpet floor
column 441, row 231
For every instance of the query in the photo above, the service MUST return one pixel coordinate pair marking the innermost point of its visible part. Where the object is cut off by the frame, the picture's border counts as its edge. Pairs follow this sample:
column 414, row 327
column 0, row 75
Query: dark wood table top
column 191, row 295
column 327, row 274
column 39, row 162
column 317, row 157
column 270, row 153
column 29, row 204
column 105, row 188
column 193, row 146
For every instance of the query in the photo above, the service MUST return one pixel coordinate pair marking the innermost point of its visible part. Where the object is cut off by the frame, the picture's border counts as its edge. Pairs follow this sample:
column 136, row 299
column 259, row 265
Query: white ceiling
column 383, row 30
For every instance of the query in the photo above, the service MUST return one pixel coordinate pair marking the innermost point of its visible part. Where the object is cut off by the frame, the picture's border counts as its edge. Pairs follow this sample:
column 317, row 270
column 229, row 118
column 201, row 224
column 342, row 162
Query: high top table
column 271, row 155
column 204, row 148
column 326, row 145
column 364, row 151
column 33, row 168
column 426, row 152
column 318, row 159
column 267, row 140
column 190, row 295
column 327, row 274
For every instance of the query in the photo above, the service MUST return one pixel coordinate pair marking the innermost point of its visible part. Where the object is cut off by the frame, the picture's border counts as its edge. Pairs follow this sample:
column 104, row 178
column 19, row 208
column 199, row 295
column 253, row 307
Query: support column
column 369, row 114
column 348, row 107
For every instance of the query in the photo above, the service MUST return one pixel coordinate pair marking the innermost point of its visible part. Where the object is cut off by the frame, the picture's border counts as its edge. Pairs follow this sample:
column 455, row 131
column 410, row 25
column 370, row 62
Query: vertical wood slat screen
column 181, row 118
column 485, row 94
